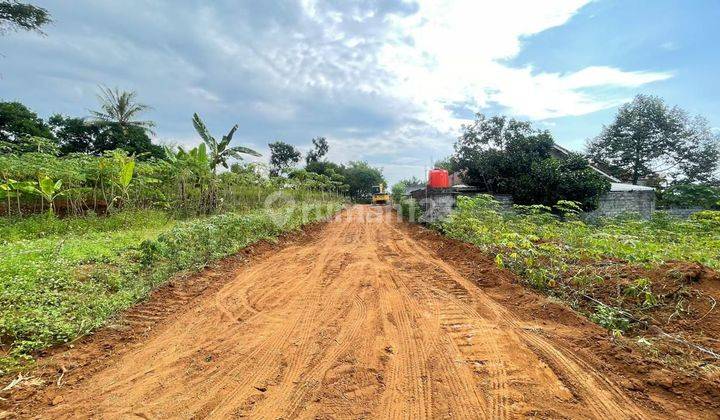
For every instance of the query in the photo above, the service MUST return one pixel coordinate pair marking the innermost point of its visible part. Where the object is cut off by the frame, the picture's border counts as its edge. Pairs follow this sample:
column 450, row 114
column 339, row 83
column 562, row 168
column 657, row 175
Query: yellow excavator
column 380, row 196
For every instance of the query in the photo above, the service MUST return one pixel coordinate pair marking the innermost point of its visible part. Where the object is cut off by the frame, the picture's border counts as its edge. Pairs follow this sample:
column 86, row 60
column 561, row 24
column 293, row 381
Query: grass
column 60, row 279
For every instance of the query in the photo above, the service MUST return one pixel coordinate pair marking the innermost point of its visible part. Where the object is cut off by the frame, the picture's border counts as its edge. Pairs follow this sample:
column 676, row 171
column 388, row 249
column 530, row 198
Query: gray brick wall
column 683, row 213
column 616, row 203
column 437, row 204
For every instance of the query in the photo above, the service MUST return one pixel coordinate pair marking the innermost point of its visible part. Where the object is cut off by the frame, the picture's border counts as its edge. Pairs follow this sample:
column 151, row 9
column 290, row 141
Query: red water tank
column 438, row 178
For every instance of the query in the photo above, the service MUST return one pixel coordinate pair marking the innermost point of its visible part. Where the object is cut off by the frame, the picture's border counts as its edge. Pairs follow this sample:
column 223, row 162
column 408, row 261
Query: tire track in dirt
column 361, row 322
column 603, row 398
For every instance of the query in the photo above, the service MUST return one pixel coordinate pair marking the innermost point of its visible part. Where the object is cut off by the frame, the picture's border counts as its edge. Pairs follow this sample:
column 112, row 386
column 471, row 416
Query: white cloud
column 457, row 57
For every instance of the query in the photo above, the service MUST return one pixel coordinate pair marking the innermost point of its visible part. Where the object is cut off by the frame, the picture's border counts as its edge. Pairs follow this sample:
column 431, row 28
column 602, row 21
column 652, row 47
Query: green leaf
column 245, row 150
column 228, row 138
column 47, row 186
column 126, row 174
column 202, row 153
column 203, row 131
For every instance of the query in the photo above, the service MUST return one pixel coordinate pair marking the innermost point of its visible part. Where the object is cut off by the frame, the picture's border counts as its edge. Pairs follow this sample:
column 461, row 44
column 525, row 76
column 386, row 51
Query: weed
column 610, row 318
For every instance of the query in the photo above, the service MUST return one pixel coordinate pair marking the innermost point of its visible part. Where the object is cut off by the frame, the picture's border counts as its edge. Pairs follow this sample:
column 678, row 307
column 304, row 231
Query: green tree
column 414, row 181
column 690, row 195
column 133, row 140
column 119, row 108
column 283, row 157
column 360, row 178
column 21, row 130
column 22, row 16
column 447, row 163
column 75, row 135
column 220, row 151
column 506, row 156
column 320, row 149
column 324, row 167
column 398, row 192
column 648, row 138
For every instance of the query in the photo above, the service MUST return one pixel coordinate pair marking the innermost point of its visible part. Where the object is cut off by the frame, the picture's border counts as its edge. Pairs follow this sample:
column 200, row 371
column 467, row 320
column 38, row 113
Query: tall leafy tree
column 15, row 15
column 283, row 157
column 220, row 151
column 324, row 168
column 506, row 156
column 76, row 135
column 21, row 130
column 361, row 177
column 320, row 149
column 121, row 108
column 648, row 139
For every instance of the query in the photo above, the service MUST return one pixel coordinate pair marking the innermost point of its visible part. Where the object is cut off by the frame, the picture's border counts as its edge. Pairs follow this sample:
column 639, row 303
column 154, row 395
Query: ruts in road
column 362, row 321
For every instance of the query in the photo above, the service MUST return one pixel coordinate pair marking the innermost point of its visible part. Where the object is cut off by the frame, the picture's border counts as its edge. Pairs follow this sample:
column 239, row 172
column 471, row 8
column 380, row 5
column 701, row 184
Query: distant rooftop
column 619, row 186
column 563, row 151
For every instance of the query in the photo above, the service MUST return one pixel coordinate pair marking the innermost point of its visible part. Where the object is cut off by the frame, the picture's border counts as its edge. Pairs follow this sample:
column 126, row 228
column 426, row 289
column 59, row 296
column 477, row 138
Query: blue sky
column 390, row 82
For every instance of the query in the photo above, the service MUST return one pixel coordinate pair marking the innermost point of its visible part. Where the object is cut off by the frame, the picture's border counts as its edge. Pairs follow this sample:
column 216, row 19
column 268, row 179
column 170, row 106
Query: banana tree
column 191, row 170
column 220, row 152
column 49, row 190
column 123, row 178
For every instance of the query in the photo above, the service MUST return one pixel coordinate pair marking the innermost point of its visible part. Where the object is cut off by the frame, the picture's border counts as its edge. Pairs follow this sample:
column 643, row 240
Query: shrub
column 689, row 195
column 507, row 156
column 409, row 209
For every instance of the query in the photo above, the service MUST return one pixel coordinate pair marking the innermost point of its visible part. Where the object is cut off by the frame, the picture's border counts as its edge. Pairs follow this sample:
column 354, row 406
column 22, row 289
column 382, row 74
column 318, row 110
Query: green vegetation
column 93, row 216
column 15, row 15
column 565, row 256
column 60, row 279
column 360, row 178
column 409, row 209
column 650, row 140
column 501, row 155
column 283, row 157
column 689, row 195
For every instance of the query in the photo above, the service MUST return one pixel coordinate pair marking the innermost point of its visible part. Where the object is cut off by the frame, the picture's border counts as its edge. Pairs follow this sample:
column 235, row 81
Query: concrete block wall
column 437, row 204
column 616, row 203
column 682, row 213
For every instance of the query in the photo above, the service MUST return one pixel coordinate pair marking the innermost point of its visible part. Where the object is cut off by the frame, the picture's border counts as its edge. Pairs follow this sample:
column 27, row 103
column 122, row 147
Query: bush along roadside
column 654, row 280
column 409, row 209
column 80, row 296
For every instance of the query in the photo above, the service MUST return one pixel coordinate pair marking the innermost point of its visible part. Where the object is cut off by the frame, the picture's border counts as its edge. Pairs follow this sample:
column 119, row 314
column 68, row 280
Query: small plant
column 49, row 190
column 531, row 209
column 610, row 318
column 641, row 288
column 568, row 210
column 123, row 178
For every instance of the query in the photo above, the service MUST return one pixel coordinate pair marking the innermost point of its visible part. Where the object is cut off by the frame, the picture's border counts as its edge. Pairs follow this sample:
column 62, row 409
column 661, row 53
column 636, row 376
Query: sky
column 389, row 82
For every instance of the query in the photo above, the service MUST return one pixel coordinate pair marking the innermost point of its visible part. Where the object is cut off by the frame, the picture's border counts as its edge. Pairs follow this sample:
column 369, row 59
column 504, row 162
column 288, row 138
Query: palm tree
column 219, row 151
column 119, row 108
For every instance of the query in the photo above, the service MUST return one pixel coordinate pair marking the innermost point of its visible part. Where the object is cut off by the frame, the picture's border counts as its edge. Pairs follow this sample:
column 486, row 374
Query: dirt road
column 361, row 322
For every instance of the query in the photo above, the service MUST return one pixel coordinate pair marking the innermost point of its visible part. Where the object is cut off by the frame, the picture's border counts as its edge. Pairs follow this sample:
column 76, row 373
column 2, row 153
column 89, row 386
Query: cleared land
column 362, row 317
